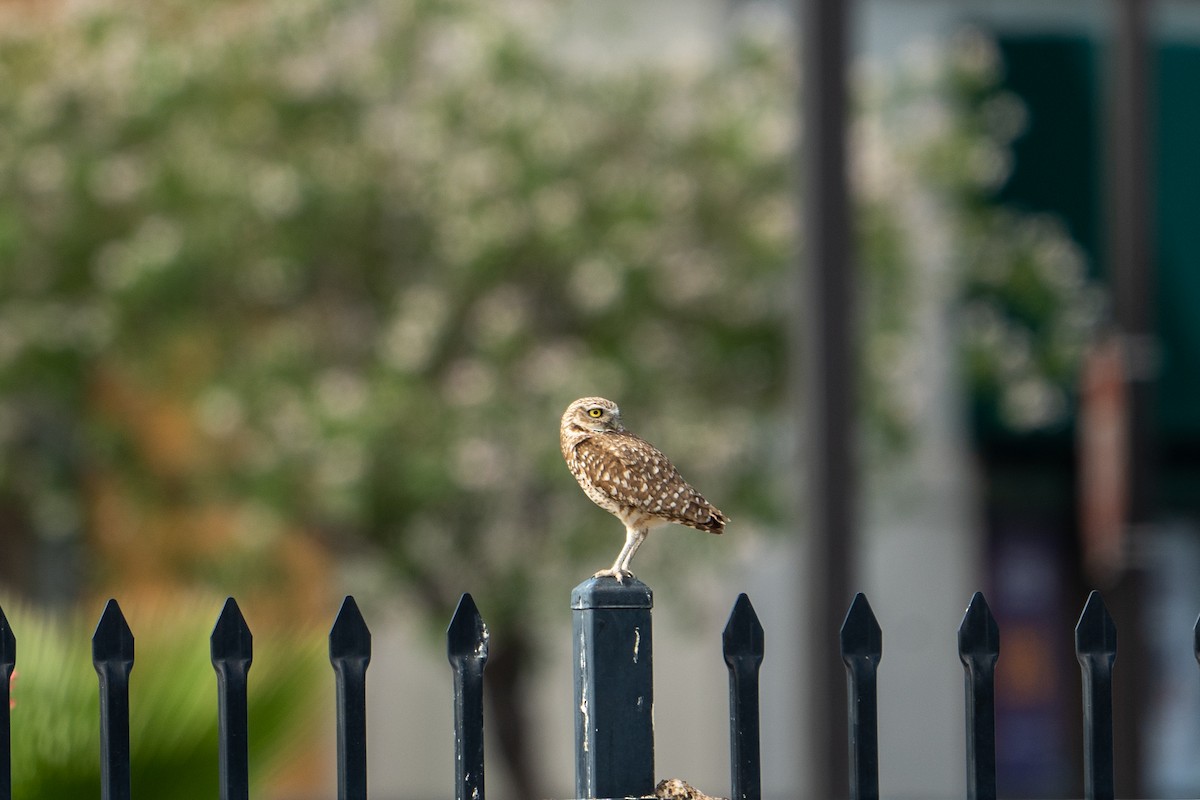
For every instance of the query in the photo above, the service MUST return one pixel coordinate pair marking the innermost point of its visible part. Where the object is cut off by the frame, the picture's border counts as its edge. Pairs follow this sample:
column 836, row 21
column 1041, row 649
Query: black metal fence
column 613, row 656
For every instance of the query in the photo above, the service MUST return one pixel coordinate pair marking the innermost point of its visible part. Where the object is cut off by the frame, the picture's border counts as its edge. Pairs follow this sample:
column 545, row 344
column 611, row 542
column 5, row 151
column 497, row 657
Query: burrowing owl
column 629, row 478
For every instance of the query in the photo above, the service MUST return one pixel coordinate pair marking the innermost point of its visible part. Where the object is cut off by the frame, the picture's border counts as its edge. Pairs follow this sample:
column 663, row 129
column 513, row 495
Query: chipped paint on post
column 583, row 703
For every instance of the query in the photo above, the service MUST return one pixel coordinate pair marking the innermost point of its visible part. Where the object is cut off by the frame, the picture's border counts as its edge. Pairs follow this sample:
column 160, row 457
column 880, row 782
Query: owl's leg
column 620, row 568
column 633, row 540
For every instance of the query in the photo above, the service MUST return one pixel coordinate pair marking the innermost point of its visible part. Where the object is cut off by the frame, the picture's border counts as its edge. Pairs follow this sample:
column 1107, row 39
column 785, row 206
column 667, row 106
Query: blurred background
column 293, row 294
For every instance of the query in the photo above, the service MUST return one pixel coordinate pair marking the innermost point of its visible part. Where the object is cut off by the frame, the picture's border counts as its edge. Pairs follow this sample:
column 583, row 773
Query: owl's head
column 592, row 414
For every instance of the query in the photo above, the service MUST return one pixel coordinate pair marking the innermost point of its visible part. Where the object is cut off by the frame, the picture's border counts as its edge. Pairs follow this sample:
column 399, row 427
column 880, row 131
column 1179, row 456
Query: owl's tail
column 713, row 522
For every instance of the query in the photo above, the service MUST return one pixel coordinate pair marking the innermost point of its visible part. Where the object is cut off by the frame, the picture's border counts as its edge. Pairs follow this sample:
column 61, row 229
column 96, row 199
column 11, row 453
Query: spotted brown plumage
column 629, row 478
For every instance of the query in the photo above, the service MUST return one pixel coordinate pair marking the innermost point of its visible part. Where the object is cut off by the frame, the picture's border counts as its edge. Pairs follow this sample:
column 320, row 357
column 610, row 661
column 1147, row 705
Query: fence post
column 350, row 653
column 112, row 656
column 742, row 645
column 8, row 660
column 614, row 688
column 467, row 650
column 1096, row 649
column 978, row 649
column 232, row 649
column 862, row 647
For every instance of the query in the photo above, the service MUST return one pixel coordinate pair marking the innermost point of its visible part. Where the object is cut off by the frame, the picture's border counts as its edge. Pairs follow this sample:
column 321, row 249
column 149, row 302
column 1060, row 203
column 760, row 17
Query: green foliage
column 173, row 708
column 1027, row 309
column 374, row 249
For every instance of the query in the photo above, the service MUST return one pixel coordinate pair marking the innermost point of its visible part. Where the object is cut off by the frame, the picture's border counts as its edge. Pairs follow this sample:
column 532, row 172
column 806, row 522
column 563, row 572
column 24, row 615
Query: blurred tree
column 326, row 272
column 1026, row 307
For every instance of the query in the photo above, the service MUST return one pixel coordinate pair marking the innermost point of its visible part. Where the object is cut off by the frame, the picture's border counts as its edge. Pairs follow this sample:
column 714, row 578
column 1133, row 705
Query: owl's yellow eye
column 595, row 413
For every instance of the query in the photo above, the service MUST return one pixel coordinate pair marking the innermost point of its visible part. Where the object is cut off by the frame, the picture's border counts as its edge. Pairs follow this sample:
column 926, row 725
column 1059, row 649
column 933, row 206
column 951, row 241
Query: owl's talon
column 619, row 574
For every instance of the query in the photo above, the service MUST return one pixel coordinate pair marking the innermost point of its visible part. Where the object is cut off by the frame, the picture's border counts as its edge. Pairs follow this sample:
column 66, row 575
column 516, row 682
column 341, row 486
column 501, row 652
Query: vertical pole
column 978, row 649
column 862, row 648
column 824, row 325
column 232, row 650
column 614, row 689
column 1130, row 214
column 467, row 650
column 112, row 656
column 742, row 645
column 350, row 653
column 8, row 660
column 1133, row 276
column 1096, row 649
column 1196, row 640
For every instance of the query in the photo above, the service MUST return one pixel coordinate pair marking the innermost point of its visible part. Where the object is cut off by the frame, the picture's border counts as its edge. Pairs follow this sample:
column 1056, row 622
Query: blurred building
column 1039, row 514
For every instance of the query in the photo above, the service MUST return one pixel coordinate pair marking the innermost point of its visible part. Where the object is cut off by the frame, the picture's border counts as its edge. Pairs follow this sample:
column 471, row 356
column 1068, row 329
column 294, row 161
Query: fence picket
column 742, row 645
column 8, row 660
column 1196, row 639
column 232, row 650
column 862, row 648
column 350, row 653
column 467, row 649
column 112, row 656
column 1096, row 649
column 978, row 649
column 612, row 632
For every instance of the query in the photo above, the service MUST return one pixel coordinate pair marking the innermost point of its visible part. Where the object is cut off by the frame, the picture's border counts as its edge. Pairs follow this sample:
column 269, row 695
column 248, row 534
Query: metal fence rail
column 614, row 699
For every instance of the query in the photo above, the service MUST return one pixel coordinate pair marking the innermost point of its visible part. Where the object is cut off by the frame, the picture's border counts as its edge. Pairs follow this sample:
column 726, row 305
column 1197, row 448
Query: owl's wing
column 625, row 467
column 635, row 473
